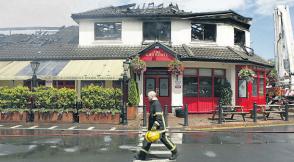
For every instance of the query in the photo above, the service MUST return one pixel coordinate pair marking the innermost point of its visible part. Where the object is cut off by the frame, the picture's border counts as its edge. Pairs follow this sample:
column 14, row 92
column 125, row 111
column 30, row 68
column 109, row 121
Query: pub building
column 213, row 47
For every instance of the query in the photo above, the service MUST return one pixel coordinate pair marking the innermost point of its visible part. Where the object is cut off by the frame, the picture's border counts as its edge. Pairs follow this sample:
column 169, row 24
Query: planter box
column 132, row 113
column 53, row 117
column 99, row 118
column 13, row 117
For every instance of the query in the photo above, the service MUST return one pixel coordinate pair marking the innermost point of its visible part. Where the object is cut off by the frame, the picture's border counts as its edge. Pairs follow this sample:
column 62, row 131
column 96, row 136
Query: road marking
column 1, row 125
column 53, row 127
column 71, row 128
column 33, row 127
column 112, row 129
column 90, row 128
column 16, row 126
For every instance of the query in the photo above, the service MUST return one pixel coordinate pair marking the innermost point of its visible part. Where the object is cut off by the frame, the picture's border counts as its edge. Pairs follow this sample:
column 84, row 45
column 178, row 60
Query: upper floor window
column 203, row 32
column 239, row 37
column 160, row 31
column 108, row 31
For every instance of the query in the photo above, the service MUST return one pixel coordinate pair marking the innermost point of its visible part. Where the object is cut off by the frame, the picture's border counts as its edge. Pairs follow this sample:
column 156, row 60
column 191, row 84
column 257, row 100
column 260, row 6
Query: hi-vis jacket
column 156, row 117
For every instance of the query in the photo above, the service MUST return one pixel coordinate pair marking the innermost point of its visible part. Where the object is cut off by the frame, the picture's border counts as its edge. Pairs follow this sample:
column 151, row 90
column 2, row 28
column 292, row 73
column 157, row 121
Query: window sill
column 203, row 42
column 107, row 42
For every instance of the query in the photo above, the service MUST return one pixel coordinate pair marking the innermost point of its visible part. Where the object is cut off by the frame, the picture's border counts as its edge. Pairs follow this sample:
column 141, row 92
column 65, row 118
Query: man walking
column 156, row 122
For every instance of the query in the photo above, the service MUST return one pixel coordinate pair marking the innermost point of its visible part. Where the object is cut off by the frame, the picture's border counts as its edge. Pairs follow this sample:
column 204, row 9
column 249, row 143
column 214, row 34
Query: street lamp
column 34, row 65
column 126, row 66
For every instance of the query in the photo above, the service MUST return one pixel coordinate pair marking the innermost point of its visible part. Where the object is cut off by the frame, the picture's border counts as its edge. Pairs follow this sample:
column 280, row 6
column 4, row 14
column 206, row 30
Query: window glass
column 239, row 37
column 163, row 87
column 190, row 86
column 242, row 90
column 116, row 84
column 219, row 72
column 190, row 72
column 218, row 83
column 86, row 83
column 261, row 87
column 205, row 86
column 108, row 31
column 254, row 87
column 204, row 72
column 150, row 85
column 157, row 31
column 203, row 32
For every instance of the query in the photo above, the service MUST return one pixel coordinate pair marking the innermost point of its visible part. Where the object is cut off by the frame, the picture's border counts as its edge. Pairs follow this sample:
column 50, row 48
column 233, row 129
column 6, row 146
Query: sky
column 24, row 13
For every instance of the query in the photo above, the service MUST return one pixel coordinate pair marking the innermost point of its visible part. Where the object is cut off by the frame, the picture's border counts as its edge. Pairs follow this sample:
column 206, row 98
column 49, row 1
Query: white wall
column 177, row 92
column 247, row 39
column 225, row 35
column 180, row 32
column 132, row 32
column 86, row 32
column 141, row 88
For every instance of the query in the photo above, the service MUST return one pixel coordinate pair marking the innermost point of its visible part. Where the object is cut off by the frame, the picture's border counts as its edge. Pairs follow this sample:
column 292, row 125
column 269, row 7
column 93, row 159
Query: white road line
column 90, row 128
column 16, row 126
column 53, row 127
column 1, row 125
column 71, row 128
column 112, row 129
column 33, row 127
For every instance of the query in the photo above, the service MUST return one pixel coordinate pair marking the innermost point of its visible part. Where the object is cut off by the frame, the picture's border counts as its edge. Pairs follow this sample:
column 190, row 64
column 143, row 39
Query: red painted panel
column 157, row 54
column 205, row 104
column 192, row 104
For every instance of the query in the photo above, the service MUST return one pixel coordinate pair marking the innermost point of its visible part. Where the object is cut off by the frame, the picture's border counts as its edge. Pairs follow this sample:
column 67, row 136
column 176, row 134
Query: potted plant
column 225, row 94
column 138, row 66
column 272, row 77
column 133, row 100
column 247, row 74
column 176, row 67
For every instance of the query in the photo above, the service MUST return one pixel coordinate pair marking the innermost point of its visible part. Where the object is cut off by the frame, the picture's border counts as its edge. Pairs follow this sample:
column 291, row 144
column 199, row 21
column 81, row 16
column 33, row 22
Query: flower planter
column 132, row 112
column 13, row 117
column 53, row 117
column 100, row 118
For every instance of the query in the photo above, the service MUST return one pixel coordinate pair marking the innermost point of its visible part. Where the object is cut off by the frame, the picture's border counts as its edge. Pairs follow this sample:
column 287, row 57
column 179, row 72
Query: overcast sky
column 20, row 13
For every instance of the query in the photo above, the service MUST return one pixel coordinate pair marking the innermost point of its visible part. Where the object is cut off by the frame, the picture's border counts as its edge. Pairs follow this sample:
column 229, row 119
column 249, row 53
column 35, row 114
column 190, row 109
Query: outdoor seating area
column 230, row 110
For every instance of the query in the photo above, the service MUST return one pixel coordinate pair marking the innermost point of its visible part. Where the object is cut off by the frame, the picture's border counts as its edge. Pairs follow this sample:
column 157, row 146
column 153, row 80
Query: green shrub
column 14, row 98
column 226, row 94
column 133, row 97
column 98, row 99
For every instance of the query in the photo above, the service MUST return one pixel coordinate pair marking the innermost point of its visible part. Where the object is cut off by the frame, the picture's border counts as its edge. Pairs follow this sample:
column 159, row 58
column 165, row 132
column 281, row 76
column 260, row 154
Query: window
column 203, row 32
column 254, row 87
column 157, row 31
column 150, row 85
column 117, row 84
column 205, row 83
column 163, row 87
column 261, row 85
column 190, row 83
column 242, row 90
column 239, row 37
column 108, row 31
column 219, row 80
column 86, row 83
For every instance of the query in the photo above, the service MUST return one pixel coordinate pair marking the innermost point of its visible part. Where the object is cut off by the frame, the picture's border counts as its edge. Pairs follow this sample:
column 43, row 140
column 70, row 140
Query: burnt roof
column 170, row 11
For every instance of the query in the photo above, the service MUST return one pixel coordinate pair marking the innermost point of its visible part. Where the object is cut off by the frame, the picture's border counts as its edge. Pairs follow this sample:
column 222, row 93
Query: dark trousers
column 164, row 139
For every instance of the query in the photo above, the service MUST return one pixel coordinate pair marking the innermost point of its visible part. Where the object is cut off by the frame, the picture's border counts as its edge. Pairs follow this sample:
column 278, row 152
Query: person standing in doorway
column 156, row 122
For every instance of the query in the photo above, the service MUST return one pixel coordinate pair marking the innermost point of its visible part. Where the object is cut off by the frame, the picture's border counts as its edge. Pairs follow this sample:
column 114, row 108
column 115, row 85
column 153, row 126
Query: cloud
column 266, row 7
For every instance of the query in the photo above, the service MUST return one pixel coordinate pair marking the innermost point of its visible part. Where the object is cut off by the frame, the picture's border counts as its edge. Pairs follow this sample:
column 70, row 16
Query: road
column 242, row 145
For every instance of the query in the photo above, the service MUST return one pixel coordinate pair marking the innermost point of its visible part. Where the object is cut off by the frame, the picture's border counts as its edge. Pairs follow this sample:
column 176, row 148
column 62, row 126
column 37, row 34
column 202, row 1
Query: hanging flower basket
column 138, row 66
column 247, row 74
column 176, row 67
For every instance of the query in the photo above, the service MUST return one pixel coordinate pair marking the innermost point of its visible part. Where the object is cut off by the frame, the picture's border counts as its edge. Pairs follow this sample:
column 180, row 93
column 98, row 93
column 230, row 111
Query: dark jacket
column 156, row 116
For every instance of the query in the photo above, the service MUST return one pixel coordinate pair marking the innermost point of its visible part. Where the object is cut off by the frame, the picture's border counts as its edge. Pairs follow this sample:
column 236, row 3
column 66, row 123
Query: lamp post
column 126, row 66
column 34, row 65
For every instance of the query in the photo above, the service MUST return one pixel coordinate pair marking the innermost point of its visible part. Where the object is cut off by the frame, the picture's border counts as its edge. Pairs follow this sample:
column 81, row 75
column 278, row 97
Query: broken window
column 239, row 37
column 108, row 31
column 160, row 31
column 203, row 32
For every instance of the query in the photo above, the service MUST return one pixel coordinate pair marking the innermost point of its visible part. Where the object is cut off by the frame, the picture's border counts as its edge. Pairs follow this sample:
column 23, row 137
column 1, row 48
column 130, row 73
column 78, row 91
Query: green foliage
column 246, row 74
column 226, row 94
column 138, row 65
column 272, row 77
column 14, row 98
column 133, row 97
column 96, row 98
column 176, row 67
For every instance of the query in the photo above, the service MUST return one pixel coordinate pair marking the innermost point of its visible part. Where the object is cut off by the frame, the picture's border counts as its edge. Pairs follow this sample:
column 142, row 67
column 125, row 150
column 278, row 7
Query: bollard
column 286, row 112
column 144, row 116
column 166, row 115
column 254, row 112
column 220, row 114
column 186, row 116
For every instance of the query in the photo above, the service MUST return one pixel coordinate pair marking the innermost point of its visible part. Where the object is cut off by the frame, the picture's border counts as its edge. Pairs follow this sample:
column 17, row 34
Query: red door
column 161, row 85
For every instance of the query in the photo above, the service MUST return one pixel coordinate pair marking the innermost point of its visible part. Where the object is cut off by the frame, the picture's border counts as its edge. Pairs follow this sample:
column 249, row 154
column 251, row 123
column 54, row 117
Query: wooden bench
column 266, row 110
column 230, row 110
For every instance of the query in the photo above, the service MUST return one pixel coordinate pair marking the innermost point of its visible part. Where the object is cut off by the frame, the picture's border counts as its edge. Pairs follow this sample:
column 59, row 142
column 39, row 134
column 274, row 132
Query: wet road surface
column 76, row 146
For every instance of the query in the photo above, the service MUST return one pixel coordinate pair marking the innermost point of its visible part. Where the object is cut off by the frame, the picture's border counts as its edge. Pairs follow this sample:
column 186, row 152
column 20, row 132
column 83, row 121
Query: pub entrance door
column 160, row 82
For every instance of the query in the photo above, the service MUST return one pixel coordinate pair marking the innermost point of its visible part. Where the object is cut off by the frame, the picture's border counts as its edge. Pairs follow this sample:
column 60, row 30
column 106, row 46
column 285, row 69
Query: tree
column 133, row 97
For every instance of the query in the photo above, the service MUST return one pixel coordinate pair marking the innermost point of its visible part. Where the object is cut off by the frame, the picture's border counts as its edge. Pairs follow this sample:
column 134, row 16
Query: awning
column 9, row 71
column 92, row 70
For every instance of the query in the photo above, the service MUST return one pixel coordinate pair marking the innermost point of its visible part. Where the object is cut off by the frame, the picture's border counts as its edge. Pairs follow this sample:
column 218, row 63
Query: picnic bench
column 230, row 110
column 266, row 110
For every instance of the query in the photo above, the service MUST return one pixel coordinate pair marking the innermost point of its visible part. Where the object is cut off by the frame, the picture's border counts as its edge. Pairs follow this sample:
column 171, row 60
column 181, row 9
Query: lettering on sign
column 178, row 84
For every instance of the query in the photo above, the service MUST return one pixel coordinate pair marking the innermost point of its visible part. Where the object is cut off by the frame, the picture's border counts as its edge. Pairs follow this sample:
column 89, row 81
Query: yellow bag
column 152, row 136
